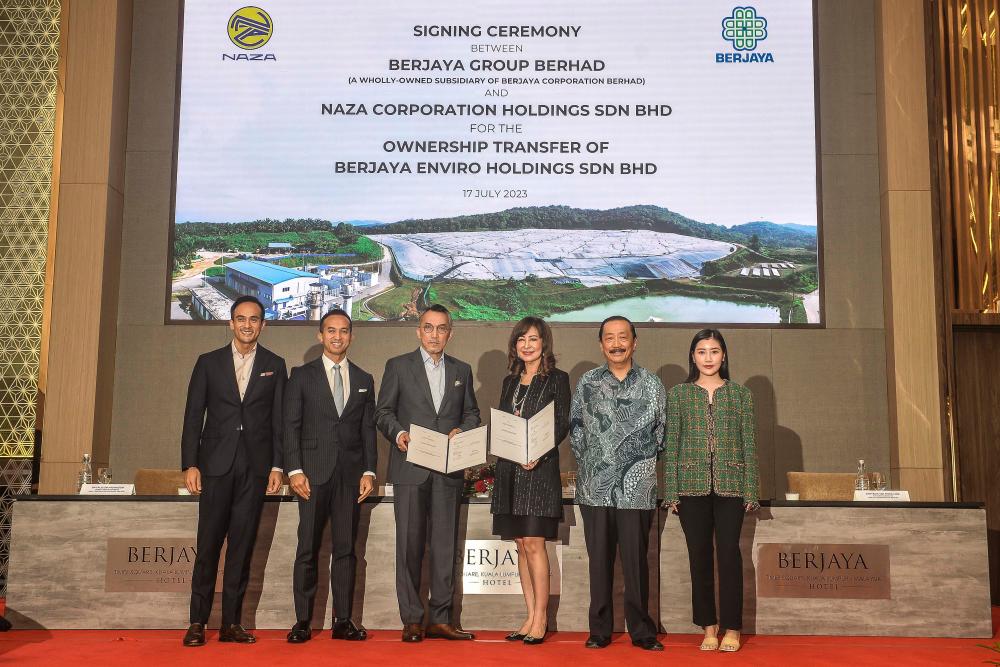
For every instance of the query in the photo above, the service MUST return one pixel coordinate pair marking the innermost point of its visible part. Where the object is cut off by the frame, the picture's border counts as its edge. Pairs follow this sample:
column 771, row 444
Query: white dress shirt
column 243, row 365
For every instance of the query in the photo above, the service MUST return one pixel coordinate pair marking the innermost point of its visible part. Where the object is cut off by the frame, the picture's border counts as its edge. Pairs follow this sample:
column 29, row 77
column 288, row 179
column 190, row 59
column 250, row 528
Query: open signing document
column 437, row 451
column 522, row 440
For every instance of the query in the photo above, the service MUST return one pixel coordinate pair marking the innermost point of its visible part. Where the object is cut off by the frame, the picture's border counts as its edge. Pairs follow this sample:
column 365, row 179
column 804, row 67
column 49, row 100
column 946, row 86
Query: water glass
column 878, row 481
column 104, row 475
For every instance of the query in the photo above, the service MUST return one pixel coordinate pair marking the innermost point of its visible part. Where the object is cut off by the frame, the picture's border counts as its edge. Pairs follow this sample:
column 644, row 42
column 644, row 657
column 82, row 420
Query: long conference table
column 810, row 568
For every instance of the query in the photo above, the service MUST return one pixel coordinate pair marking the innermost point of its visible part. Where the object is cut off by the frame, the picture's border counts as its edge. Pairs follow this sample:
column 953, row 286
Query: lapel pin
column 266, row 373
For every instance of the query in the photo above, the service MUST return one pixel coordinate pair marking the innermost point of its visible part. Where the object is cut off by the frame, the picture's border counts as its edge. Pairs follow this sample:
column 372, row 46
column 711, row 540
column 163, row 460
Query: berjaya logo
column 744, row 29
column 250, row 28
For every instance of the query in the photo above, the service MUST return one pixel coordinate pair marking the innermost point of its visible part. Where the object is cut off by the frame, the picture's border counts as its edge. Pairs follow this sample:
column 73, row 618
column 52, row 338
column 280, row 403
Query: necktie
column 338, row 389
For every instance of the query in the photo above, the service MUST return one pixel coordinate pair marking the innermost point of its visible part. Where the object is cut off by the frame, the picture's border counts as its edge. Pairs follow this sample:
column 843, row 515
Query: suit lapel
column 354, row 379
column 420, row 377
column 229, row 370
column 324, row 383
column 450, row 377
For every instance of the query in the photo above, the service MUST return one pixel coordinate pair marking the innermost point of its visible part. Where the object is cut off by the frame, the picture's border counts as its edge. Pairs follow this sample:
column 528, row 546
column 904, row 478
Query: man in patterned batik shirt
column 617, row 423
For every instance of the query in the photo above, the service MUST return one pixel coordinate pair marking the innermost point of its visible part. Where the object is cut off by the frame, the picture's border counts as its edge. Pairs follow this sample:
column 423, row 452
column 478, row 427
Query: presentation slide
column 572, row 160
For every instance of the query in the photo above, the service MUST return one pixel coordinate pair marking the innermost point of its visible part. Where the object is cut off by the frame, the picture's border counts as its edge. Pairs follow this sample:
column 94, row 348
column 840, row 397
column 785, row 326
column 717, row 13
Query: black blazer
column 405, row 399
column 535, row 492
column 317, row 439
column 209, row 440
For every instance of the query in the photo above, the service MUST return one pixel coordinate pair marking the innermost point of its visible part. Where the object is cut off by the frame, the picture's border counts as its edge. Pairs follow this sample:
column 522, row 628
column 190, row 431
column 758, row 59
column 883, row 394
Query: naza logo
column 744, row 29
column 250, row 28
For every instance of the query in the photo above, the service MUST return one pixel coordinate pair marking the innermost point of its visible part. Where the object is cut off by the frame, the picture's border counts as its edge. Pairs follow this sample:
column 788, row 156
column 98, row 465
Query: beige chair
column 158, row 481
column 822, row 485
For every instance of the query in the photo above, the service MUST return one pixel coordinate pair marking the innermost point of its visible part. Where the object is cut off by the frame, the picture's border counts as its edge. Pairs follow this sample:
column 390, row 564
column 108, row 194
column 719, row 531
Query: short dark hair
column 707, row 334
column 437, row 308
column 337, row 311
column 616, row 318
column 245, row 299
column 514, row 363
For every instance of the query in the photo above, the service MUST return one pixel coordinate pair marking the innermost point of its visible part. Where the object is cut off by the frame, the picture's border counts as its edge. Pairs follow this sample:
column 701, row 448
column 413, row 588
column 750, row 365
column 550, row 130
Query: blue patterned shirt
column 616, row 431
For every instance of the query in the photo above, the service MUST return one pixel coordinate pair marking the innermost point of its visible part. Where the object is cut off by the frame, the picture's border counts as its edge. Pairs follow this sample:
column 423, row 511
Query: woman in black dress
column 527, row 499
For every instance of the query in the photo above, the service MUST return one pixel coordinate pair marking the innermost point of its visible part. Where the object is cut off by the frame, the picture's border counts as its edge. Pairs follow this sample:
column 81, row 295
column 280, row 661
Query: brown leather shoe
column 195, row 635
column 413, row 632
column 235, row 634
column 446, row 631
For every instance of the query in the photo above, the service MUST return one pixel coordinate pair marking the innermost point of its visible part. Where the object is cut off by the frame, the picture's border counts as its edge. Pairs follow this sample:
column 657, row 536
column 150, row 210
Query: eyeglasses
column 441, row 328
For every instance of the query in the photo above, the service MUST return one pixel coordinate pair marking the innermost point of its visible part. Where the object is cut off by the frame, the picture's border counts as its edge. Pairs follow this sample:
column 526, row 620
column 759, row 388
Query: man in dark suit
column 330, row 450
column 231, row 454
column 426, row 387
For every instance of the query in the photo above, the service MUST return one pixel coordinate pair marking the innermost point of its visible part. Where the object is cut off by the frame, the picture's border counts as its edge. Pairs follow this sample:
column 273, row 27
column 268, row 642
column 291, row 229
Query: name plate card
column 107, row 490
column 844, row 571
column 890, row 496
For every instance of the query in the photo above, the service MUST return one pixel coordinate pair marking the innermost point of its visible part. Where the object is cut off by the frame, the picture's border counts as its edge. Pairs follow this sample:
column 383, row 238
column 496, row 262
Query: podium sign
column 153, row 565
column 823, row 571
column 490, row 567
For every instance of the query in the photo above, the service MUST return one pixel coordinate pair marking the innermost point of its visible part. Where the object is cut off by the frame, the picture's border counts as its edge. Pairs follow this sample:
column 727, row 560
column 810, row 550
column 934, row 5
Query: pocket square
column 361, row 391
column 266, row 373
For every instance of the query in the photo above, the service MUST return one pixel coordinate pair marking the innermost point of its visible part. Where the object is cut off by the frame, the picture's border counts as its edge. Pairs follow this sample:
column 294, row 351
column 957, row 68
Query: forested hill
column 654, row 218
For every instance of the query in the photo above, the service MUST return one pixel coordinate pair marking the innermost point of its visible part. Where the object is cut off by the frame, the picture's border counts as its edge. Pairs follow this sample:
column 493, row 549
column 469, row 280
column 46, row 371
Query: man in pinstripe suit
column 330, row 453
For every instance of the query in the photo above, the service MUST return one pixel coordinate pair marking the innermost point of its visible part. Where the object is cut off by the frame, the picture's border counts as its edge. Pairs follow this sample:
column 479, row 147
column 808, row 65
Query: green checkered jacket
column 688, row 467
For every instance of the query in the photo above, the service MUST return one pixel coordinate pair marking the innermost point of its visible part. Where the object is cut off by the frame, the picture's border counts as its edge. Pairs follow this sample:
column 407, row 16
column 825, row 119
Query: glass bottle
column 861, row 480
column 86, row 472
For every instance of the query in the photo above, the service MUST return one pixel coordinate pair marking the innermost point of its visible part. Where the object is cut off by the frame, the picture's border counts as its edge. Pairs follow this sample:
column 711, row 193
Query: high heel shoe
column 515, row 636
column 535, row 641
column 730, row 644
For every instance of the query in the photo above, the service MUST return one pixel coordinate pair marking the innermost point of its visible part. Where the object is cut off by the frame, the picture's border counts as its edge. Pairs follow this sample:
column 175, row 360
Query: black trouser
column 335, row 500
column 701, row 516
column 228, row 511
column 606, row 530
column 436, row 500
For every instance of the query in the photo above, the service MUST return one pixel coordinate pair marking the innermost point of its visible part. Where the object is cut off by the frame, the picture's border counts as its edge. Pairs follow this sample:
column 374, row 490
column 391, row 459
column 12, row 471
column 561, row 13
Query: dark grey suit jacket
column 405, row 399
column 317, row 439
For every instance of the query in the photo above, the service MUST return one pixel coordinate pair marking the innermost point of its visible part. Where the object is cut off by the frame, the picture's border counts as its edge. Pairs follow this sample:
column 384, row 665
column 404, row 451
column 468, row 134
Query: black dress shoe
column 648, row 644
column 413, row 633
column 595, row 641
column 235, row 634
column 534, row 641
column 446, row 631
column 300, row 633
column 346, row 629
column 515, row 636
column 195, row 635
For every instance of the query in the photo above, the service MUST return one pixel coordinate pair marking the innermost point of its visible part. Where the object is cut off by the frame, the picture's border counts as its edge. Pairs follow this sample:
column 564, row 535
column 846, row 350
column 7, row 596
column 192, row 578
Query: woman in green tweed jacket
column 711, row 480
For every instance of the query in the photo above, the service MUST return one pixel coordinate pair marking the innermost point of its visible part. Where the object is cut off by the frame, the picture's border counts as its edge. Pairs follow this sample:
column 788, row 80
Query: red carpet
column 156, row 648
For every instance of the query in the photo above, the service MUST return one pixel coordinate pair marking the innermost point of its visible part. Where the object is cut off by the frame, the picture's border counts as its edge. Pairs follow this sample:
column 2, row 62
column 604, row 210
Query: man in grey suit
column 427, row 388
column 330, row 451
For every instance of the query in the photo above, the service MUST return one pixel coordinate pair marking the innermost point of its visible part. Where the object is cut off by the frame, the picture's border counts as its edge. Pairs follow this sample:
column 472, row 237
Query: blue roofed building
column 283, row 291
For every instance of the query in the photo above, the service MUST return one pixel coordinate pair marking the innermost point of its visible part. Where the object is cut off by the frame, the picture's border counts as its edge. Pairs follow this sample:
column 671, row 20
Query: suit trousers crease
column 333, row 502
column 607, row 530
column 435, row 502
column 229, row 510
column 702, row 518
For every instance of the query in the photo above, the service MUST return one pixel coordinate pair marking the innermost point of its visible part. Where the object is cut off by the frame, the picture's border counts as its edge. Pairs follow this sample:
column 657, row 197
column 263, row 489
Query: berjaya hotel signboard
column 165, row 564
column 490, row 567
column 152, row 565
column 842, row 571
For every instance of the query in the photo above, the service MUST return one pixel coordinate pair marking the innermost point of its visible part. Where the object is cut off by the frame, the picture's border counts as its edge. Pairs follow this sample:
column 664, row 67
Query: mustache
column 617, row 350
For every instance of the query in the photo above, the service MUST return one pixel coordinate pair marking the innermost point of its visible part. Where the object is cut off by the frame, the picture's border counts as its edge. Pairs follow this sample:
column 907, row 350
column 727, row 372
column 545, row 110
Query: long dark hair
column 514, row 363
column 707, row 334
